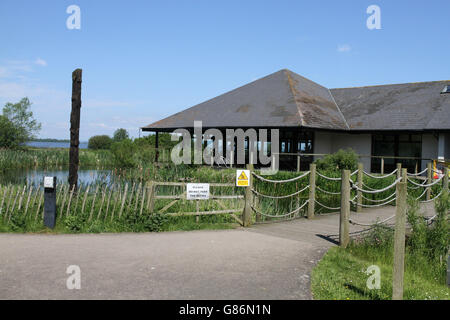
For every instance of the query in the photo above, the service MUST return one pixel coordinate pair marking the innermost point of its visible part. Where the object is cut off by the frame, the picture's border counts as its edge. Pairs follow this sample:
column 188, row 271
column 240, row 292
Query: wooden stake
column 247, row 214
column 312, row 190
column 65, row 192
column 39, row 206
column 21, row 198
column 101, row 205
column 9, row 201
column 143, row 200
column 3, row 200
column 151, row 197
column 85, row 198
column 445, row 179
column 14, row 204
column 429, row 179
column 70, row 200
column 28, row 200
column 93, row 204
column 123, row 200
column 107, row 205
column 116, row 199
column 399, row 242
column 358, row 192
column 344, row 237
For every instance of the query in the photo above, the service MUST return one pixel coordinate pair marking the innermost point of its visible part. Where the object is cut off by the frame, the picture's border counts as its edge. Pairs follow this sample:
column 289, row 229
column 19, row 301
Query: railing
column 383, row 158
column 349, row 182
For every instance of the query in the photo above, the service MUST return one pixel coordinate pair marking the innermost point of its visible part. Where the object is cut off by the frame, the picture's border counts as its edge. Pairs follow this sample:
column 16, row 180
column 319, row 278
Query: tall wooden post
column 312, row 190
column 344, row 224
column 247, row 214
column 429, row 179
column 151, row 196
column 382, row 166
column 75, row 128
column 298, row 163
column 404, row 175
column 445, row 179
column 358, row 192
column 399, row 170
column 399, row 242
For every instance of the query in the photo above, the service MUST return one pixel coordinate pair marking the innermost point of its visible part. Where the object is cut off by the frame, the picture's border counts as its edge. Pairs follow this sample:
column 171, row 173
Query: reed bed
column 32, row 158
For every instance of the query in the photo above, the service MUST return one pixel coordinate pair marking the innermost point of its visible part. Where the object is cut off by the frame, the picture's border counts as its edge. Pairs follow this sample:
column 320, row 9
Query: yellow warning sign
column 242, row 178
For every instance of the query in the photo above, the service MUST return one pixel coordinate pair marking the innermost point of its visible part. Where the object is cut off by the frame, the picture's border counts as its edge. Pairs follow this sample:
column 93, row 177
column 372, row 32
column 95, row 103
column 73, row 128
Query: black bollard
column 50, row 202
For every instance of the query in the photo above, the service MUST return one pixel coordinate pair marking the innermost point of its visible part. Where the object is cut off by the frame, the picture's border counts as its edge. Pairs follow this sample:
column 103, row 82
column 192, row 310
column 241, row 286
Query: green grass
column 340, row 275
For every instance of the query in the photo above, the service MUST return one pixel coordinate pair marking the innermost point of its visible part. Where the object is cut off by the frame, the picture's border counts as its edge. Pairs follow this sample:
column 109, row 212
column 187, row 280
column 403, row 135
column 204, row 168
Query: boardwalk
column 324, row 230
column 271, row 261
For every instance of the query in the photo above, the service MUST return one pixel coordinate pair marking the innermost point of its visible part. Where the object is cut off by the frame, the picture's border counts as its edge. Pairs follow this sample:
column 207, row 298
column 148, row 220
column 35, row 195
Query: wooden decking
column 323, row 230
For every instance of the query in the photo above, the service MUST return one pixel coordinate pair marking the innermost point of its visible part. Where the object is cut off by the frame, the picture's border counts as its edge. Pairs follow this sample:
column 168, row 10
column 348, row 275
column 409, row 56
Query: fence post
column 429, row 179
column 446, row 179
column 382, row 166
column 312, row 190
column 247, row 214
column 399, row 242
column 358, row 192
column 298, row 163
column 344, row 237
column 404, row 175
column 151, row 197
column 399, row 170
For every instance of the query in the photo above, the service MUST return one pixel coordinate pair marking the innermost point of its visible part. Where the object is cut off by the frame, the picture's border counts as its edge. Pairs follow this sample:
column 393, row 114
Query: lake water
column 41, row 144
column 36, row 176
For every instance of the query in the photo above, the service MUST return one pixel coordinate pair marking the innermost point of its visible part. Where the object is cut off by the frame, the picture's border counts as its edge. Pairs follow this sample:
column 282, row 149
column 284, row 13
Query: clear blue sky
column 144, row 60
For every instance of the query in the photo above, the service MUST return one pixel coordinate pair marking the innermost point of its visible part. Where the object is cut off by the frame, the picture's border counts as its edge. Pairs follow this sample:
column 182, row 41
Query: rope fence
column 321, row 196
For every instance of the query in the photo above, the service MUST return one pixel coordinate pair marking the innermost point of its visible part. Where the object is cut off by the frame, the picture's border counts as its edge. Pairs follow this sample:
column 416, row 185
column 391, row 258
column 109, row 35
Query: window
column 396, row 145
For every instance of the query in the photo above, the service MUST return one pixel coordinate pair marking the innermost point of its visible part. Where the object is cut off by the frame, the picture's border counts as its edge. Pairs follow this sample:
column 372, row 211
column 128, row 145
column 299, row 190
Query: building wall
column 429, row 148
column 447, row 146
column 330, row 142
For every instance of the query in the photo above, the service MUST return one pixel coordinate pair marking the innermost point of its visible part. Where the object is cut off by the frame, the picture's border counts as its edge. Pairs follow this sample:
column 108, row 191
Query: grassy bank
column 341, row 274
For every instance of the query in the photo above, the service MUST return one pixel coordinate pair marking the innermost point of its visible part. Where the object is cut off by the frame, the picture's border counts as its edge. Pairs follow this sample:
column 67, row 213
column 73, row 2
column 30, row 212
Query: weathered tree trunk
column 75, row 128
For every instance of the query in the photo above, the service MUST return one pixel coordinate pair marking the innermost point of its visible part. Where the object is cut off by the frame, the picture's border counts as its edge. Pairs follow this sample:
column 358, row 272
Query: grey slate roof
column 409, row 106
column 282, row 99
column 286, row 99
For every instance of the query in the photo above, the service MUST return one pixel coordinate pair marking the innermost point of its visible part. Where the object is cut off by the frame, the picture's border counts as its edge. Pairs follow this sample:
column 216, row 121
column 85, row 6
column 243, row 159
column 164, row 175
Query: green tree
column 8, row 133
column 120, row 134
column 100, row 142
column 17, row 124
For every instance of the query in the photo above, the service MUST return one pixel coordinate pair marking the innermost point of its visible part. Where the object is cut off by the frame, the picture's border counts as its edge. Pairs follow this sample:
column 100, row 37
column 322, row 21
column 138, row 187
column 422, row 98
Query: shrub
column 343, row 159
column 125, row 153
column 100, row 142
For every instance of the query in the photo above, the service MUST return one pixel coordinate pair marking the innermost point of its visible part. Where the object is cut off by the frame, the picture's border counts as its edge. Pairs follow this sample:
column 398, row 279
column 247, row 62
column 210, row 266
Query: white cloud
column 344, row 48
column 40, row 62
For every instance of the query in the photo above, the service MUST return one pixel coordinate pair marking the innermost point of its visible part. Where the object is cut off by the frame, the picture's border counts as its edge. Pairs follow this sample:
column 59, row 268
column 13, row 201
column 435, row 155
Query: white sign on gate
column 197, row 191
